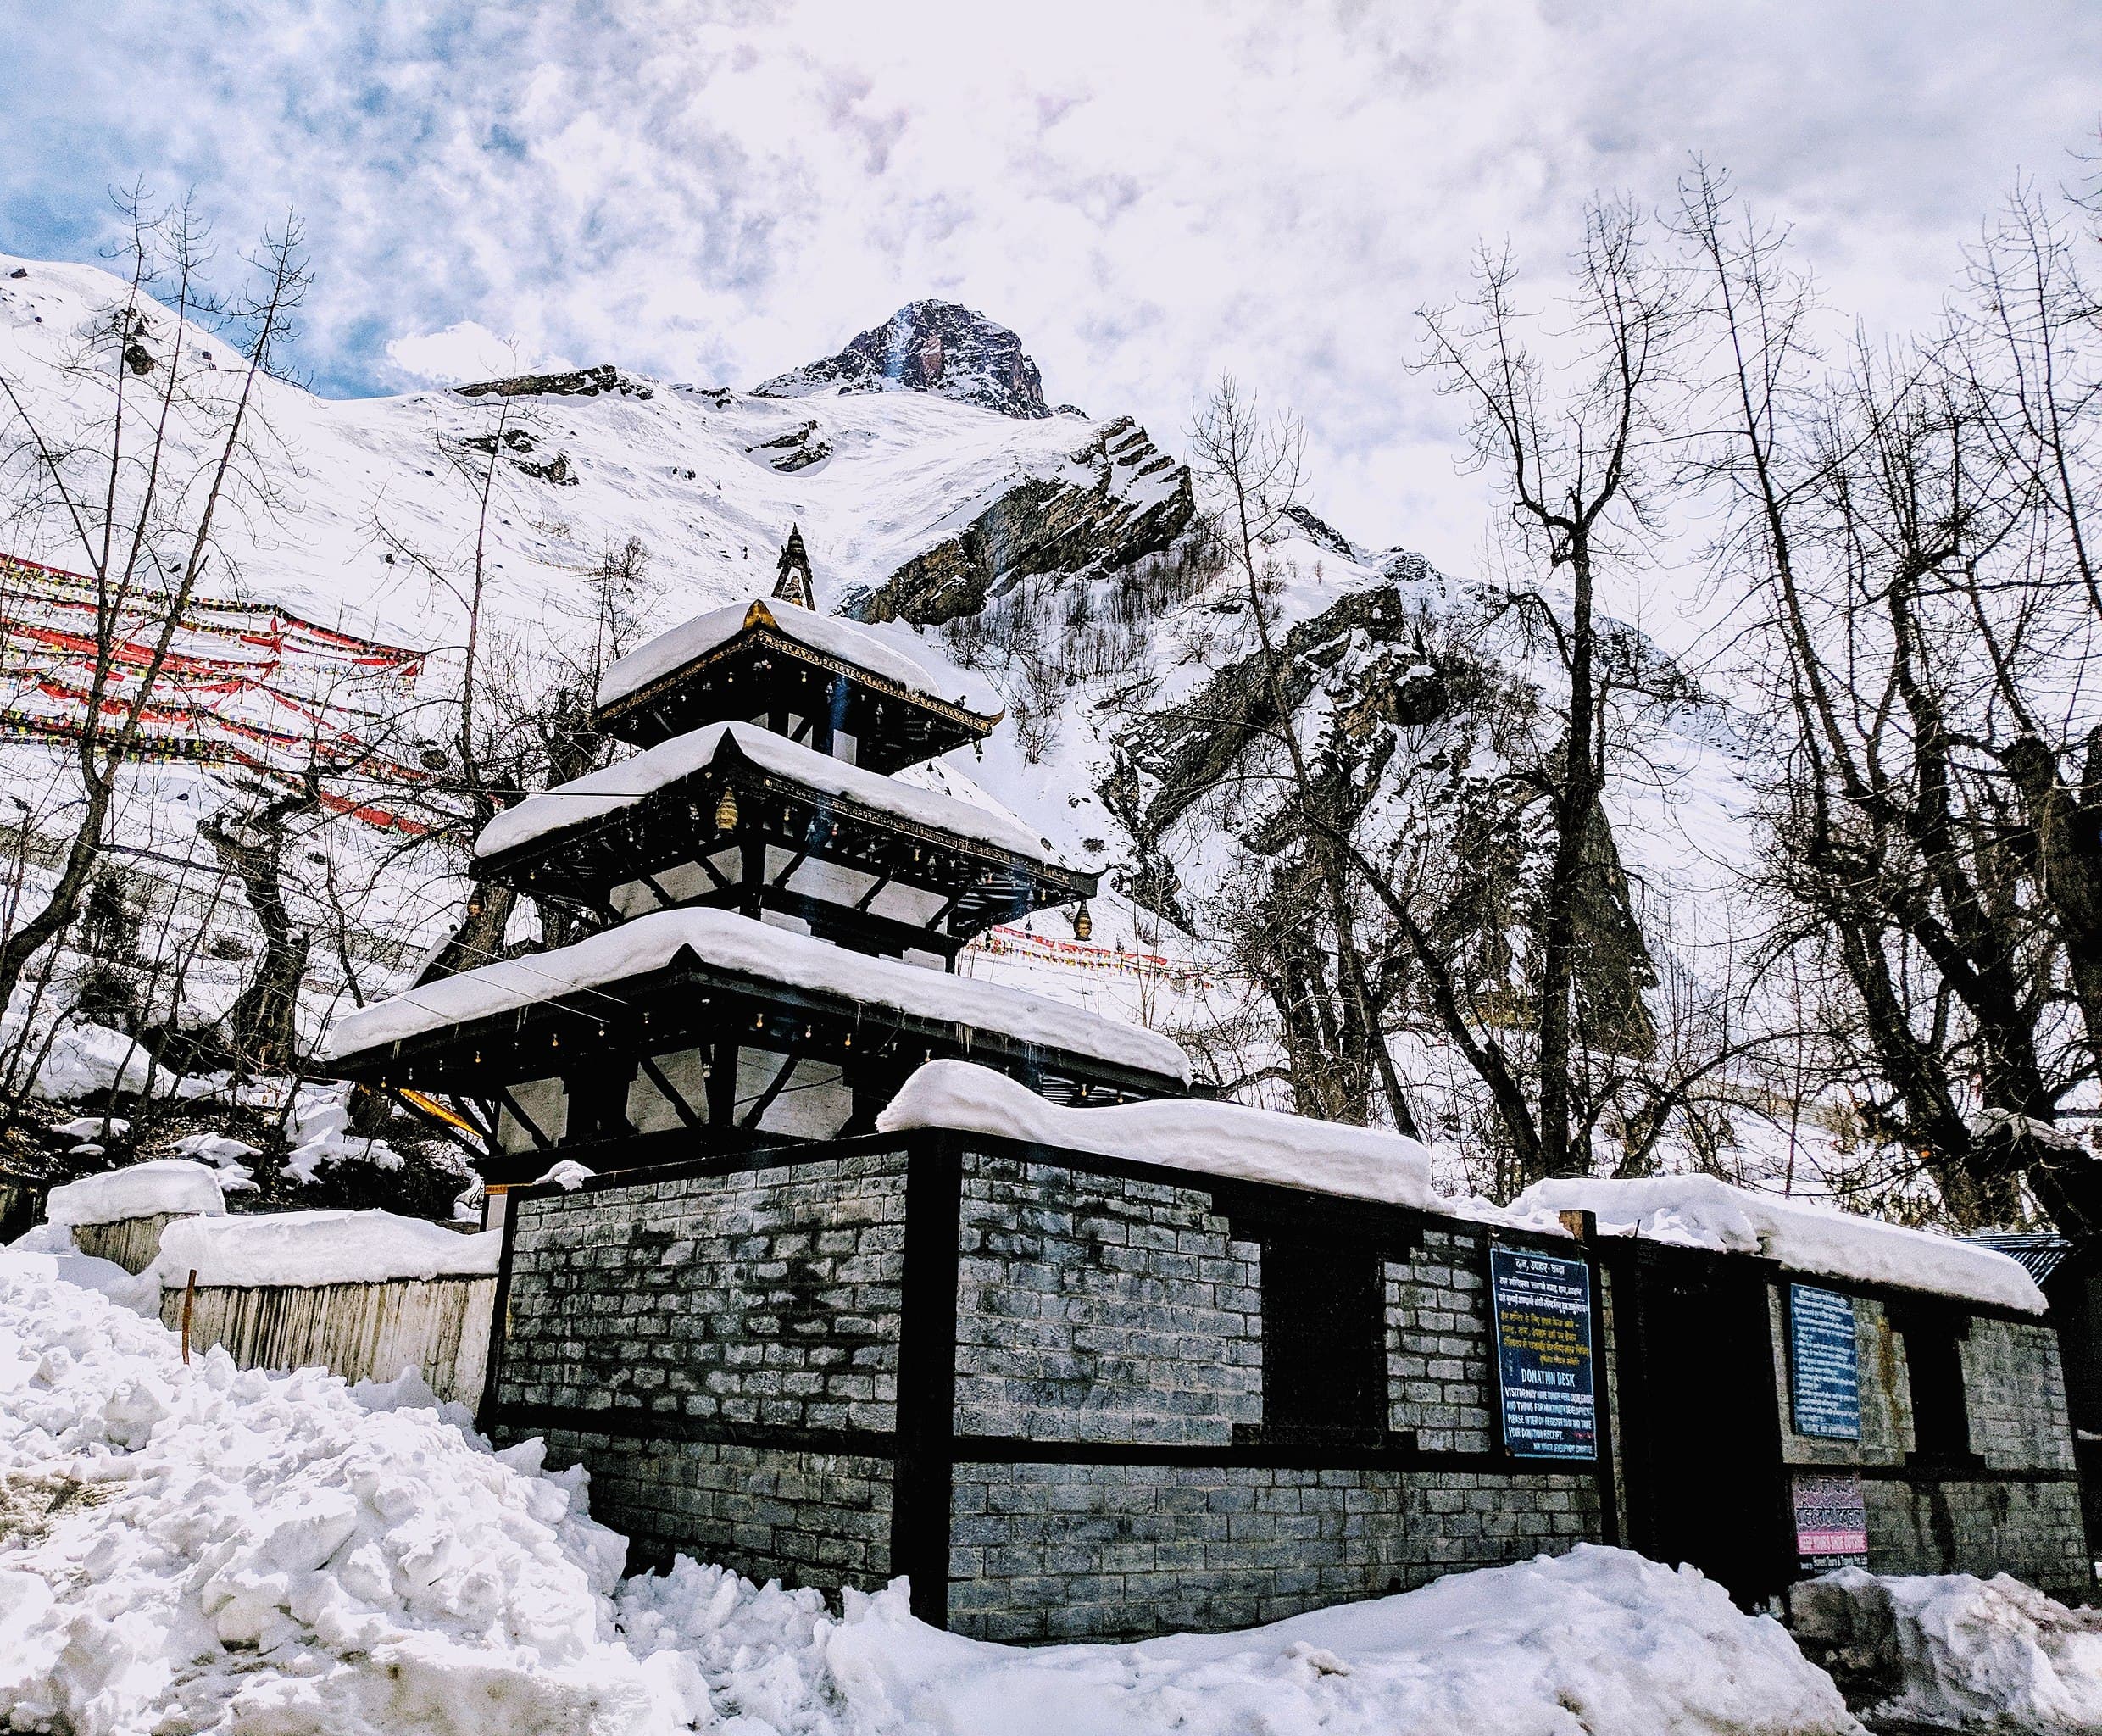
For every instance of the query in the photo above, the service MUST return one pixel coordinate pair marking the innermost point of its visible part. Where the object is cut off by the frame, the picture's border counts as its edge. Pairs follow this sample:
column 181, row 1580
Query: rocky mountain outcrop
column 928, row 346
column 584, row 382
column 1408, row 715
column 1120, row 498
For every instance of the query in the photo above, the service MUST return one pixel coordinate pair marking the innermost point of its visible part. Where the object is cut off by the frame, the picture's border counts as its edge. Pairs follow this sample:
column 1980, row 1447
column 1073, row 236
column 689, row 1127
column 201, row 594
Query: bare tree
column 1570, row 434
column 1255, row 466
column 1914, row 525
column 142, row 489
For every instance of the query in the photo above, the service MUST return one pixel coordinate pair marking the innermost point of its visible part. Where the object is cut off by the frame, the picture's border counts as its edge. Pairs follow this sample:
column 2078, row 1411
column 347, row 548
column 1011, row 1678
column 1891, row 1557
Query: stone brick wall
column 2014, row 1393
column 807, row 1518
column 1048, row 1551
column 1440, row 1359
column 767, row 1297
column 1934, row 1522
column 2015, row 1390
column 2032, row 1530
column 1094, row 1308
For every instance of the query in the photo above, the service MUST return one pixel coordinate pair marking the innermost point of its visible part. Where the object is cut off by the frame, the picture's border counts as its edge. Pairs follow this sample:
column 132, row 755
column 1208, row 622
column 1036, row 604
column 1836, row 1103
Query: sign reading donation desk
column 1824, row 1366
column 1542, row 1306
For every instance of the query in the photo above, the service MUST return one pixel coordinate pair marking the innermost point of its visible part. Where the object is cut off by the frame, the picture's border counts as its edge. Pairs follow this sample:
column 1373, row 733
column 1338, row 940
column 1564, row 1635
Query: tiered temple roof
column 810, row 676
column 733, row 816
column 779, row 918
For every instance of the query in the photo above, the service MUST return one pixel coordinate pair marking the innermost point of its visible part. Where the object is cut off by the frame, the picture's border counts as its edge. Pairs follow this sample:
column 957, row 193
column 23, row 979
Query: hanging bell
column 1083, row 924
column 726, row 810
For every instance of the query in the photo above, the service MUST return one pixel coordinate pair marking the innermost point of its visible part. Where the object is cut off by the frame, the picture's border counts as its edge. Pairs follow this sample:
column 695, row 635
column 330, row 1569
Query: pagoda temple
column 773, row 917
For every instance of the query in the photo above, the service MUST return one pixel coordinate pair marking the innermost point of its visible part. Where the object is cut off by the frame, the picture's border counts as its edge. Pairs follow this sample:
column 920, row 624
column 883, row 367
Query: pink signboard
column 1831, row 1520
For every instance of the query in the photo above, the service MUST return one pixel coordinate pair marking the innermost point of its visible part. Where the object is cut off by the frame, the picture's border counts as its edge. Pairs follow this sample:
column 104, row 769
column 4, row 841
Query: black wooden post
column 927, row 1375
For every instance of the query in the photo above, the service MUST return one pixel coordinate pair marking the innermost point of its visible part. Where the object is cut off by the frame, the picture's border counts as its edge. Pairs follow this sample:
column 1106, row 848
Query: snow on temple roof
column 736, row 944
column 671, row 652
column 160, row 1185
column 304, row 1248
column 1699, row 1212
column 628, row 780
column 1179, row 1133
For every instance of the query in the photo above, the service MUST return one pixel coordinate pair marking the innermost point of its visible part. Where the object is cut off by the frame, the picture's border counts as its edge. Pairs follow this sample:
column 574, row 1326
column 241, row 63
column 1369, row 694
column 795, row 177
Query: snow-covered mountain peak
column 928, row 346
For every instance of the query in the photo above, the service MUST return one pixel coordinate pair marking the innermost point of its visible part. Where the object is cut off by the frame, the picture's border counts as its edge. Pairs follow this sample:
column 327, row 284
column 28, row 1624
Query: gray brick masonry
column 724, row 1352
column 769, row 1297
column 1088, row 1552
column 805, row 1518
column 1100, row 1308
column 1439, row 1359
column 2032, row 1530
column 2015, row 1402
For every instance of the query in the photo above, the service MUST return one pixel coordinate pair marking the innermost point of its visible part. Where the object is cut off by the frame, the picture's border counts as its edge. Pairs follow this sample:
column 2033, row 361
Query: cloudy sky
column 1148, row 190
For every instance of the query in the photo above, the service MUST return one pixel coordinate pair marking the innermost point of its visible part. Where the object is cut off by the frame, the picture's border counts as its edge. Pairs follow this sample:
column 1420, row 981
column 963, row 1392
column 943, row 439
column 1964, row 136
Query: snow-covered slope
column 709, row 479
column 1046, row 553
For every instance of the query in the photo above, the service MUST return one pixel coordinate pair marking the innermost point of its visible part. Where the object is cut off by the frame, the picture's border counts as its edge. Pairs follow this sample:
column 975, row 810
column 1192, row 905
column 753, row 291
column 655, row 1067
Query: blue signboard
column 1824, row 1365
column 1542, row 1311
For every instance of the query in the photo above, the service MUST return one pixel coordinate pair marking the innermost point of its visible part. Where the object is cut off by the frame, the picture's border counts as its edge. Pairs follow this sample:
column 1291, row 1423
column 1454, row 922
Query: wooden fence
column 438, row 1326
column 134, row 1242
column 21, row 1204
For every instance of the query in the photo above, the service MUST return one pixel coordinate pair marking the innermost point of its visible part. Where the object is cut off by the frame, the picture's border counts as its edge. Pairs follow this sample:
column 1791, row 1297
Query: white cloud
column 465, row 351
column 1148, row 192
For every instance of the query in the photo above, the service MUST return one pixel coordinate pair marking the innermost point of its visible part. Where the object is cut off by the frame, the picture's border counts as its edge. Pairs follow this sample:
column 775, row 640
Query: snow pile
column 668, row 653
column 141, row 1293
column 1187, row 1133
column 216, row 1148
column 1599, row 1641
column 740, row 947
column 171, row 1185
column 1699, row 1212
column 84, row 1060
column 318, row 1132
column 626, row 781
column 77, row 1060
column 569, row 1176
column 94, row 1127
column 200, row 1549
column 1954, row 1651
column 306, row 1247
column 223, row 1155
column 194, row 1548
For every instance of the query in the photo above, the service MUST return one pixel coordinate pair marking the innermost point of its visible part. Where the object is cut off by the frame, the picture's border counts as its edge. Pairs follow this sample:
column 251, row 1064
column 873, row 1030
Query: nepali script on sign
column 1543, row 1309
column 1831, row 1520
column 1824, row 1363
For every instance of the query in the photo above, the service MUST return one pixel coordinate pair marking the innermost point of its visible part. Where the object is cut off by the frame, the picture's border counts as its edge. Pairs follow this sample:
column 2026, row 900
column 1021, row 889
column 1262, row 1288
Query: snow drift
column 320, row 1247
column 1953, row 1651
column 203, row 1549
column 258, row 1554
column 160, row 1184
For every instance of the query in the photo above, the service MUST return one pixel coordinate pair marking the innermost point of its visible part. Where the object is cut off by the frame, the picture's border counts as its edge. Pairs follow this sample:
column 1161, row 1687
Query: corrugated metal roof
column 2040, row 1252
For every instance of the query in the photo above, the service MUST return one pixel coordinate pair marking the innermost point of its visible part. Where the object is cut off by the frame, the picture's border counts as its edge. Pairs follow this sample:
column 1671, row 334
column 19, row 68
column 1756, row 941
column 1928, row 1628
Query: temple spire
column 795, row 584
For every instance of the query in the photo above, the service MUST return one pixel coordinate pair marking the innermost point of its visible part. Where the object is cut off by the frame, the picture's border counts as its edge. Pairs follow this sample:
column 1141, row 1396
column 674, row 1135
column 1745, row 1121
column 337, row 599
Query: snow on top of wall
column 162, row 1184
column 307, row 1248
column 628, row 780
column 1180, row 1132
column 672, row 651
column 732, row 942
column 1699, row 1212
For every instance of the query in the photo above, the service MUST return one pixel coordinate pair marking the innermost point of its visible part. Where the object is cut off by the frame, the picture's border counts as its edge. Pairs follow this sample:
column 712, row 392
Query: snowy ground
column 195, row 1548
